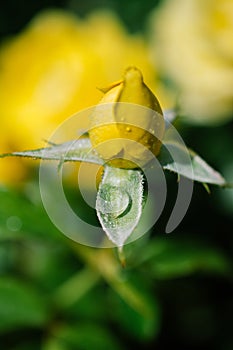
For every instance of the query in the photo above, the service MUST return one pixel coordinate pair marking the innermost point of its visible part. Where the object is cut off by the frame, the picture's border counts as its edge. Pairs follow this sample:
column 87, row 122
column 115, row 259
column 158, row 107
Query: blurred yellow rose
column 192, row 40
column 51, row 70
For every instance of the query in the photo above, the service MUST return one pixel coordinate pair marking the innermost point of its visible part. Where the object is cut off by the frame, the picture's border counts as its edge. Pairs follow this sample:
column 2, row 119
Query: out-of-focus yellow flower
column 51, row 70
column 119, row 118
column 192, row 40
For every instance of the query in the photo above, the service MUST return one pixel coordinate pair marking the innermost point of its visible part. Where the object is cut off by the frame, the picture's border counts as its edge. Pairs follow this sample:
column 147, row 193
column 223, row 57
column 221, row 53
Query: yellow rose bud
column 122, row 133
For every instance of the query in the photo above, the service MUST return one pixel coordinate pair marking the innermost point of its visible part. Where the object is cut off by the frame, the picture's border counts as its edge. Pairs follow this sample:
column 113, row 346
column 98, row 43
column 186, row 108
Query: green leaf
column 119, row 203
column 76, row 150
column 173, row 156
column 20, row 306
column 136, row 305
column 20, row 219
column 141, row 326
column 172, row 258
column 82, row 336
column 176, row 158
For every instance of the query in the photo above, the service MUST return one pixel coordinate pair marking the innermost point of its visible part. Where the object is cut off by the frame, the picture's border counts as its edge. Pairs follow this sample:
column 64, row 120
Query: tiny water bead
column 152, row 131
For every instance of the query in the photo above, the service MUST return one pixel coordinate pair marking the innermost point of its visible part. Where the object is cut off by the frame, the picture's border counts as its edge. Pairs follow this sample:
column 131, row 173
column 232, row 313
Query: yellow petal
column 127, row 131
column 103, row 127
column 109, row 87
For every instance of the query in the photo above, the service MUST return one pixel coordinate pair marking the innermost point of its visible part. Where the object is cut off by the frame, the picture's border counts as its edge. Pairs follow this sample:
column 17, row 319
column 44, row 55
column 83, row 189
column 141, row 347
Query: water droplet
column 128, row 129
column 112, row 224
column 113, row 200
column 152, row 131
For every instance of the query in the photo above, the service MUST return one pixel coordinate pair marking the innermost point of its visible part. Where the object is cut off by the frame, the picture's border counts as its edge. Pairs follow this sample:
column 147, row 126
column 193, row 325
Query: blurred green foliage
column 57, row 294
column 176, row 290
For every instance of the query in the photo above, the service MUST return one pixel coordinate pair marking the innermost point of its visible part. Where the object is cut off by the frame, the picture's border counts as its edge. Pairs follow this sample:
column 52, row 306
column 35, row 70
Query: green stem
column 77, row 286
